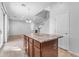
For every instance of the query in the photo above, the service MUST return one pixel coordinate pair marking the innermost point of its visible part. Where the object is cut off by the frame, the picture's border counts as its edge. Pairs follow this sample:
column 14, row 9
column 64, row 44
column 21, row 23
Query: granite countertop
column 42, row 37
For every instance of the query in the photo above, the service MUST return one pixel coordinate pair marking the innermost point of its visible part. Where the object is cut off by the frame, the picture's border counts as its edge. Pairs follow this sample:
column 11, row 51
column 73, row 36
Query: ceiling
column 22, row 10
column 38, row 12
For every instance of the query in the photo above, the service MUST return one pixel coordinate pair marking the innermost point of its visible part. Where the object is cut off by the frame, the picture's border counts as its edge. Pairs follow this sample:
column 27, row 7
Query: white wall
column 59, row 23
column 45, row 27
column 1, row 27
column 74, row 26
column 62, row 27
column 19, row 27
column 72, row 15
column 52, row 23
column 57, row 12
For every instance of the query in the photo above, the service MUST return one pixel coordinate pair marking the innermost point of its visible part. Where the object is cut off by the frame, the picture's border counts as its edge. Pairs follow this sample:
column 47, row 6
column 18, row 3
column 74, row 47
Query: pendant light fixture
column 28, row 19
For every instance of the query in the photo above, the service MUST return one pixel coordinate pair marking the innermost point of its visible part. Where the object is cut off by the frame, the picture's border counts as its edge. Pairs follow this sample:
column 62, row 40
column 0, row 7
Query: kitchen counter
column 42, row 37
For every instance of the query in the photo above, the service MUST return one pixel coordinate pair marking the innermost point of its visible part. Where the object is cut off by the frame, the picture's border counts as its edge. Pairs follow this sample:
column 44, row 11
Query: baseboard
column 75, row 53
column 16, row 36
column 71, row 52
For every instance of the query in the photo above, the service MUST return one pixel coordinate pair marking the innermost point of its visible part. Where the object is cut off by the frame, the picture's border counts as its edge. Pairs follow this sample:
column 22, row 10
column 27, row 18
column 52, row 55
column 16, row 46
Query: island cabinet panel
column 36, row 52
column 26, row 43
column 30, row 51
column 37, row 44
column 50, row 49
column 30, row 40
column 41, row 49
column 30, row 47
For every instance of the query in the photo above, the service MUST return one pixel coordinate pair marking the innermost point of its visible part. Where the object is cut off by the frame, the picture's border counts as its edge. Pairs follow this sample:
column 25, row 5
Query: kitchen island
column 41, row 45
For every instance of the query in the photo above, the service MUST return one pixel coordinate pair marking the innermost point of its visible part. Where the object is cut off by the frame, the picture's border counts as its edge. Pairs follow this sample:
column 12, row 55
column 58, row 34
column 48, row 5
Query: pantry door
column 62, row 27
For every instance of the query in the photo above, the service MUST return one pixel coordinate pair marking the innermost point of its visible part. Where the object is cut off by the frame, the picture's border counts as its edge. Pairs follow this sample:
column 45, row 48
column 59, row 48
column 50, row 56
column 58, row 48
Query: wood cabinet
column 38, row 49
column 36, row 52
column 30, row 49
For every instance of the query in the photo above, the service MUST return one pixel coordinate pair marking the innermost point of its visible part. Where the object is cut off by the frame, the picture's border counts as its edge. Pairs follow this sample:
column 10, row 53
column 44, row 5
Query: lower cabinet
column 36, row 52
column 49, row 52
column 45, row 49
column 30, row 50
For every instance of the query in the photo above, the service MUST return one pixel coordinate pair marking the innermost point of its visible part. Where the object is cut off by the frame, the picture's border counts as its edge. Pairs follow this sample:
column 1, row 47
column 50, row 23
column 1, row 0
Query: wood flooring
column 15, row 48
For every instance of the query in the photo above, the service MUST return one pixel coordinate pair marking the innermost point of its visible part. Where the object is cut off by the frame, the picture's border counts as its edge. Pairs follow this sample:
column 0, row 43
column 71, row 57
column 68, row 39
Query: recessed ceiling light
column 23, row 5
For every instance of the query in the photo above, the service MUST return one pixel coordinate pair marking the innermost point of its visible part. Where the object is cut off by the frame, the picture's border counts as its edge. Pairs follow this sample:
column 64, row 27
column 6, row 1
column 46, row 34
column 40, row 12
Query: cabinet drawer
column 36, row 43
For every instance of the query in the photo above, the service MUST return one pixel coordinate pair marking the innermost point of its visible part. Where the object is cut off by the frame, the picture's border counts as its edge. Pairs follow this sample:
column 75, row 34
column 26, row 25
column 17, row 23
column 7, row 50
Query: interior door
column 62, row 27
column 1, row 28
